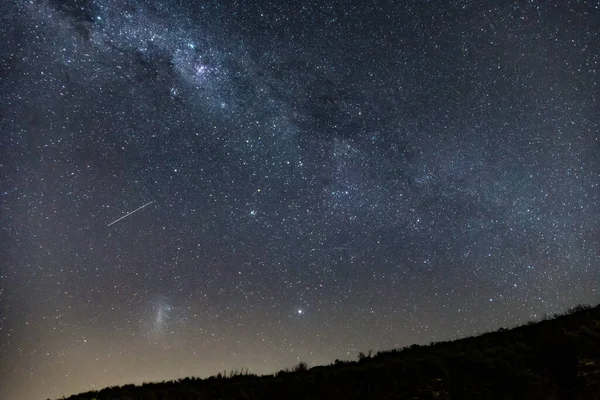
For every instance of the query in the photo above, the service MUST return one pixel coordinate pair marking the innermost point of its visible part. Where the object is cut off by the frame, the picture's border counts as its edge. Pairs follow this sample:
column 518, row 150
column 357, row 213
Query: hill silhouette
column 556, row 358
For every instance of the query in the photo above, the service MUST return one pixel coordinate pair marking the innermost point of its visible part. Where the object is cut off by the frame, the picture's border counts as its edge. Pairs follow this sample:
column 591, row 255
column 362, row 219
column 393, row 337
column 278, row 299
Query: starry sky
column 310, row 179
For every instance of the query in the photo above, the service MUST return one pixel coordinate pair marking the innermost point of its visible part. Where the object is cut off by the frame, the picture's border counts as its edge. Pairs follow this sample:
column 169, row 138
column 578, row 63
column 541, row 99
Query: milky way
column 326, row 178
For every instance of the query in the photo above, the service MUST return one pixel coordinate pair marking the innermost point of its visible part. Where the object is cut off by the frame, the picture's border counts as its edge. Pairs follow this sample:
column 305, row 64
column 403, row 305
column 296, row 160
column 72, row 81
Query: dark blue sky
column 325, row 178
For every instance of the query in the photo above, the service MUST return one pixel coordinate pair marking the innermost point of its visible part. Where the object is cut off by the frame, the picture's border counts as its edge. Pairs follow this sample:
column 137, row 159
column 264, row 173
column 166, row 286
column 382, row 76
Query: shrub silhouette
column 301, row 367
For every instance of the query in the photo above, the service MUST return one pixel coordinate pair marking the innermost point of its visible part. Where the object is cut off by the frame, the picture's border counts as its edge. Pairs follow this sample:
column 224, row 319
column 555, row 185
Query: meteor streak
column 127, row 215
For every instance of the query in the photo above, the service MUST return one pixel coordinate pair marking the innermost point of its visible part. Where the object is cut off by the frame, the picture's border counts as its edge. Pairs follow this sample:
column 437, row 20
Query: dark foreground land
column 557, row 358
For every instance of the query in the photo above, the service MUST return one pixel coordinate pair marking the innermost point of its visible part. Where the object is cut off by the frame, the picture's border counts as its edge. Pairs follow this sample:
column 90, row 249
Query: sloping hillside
column 557, row 358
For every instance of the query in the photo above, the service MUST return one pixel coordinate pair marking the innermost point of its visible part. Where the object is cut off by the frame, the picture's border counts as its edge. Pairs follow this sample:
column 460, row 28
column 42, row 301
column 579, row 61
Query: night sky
column 312, row 179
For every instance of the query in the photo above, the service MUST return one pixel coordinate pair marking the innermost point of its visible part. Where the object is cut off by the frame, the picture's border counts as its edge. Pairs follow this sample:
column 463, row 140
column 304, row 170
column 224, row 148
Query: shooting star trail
column 127, row 215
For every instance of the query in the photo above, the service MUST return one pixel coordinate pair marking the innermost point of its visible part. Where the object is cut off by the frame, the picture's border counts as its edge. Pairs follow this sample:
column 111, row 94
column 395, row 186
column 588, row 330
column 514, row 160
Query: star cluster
column 325, row 178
